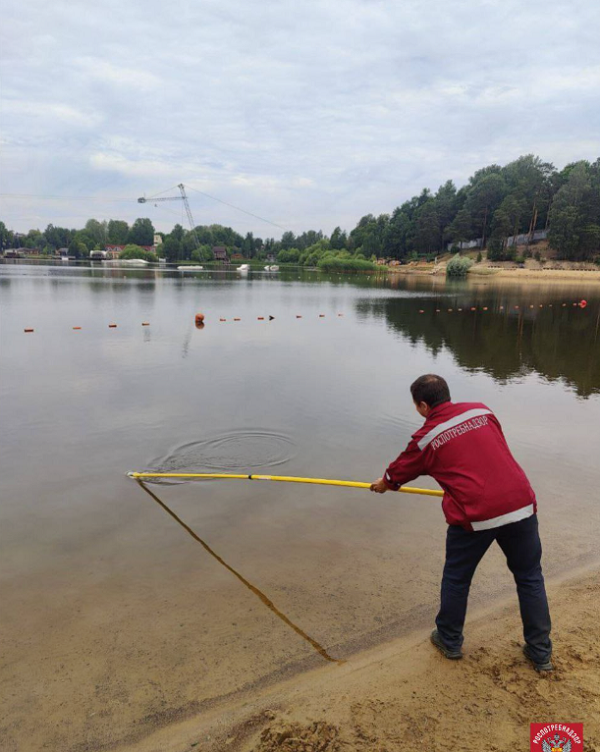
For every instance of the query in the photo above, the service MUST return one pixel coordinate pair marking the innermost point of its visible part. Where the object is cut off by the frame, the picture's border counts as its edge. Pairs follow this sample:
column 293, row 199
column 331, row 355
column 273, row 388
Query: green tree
column 118, row 231
column 6, row 238
column 97, row 231
column 575, row 214
column 458, row 266
column 565, row 224
column 427, row 235
column 77, row 249
column 338, row 239
column 483, row 198
column 57, row 237
column 291, row 256
column 460, row 229
column 529, row 181
column 248, row 248
column 132, row 251
column 288, row 240
column 446, row 207
column 141, row 232
column 171, row 249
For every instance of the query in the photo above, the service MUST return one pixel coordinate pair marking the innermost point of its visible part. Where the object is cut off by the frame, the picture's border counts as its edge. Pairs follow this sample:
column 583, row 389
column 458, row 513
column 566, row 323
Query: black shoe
column 542, row 667
column 453, row 655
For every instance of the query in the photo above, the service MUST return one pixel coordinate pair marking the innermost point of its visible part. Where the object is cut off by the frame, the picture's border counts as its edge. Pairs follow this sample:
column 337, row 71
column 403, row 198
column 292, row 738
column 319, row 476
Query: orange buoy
column 340, row 314
column 501, row 307
column 485, row 308
column 199, row 318
column 298, row 317
column 112, row 326
column 237, row 319
column 450, row 310
column 261, row 318
column 27, row 330
column 473, row 308
column 582, row 303
column 421, row 311
column 517, row 307
column 199, row 324
column 564, row 304
column 321, row 315
column 222, row 319
column 76, row 327
column 145, row 323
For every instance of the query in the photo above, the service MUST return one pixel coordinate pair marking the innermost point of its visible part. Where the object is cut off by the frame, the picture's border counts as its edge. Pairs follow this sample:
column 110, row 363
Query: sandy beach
column 533, row 271
column 404, row 695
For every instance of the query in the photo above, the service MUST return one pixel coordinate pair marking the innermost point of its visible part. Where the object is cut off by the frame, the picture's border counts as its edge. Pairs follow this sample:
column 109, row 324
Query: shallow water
column 113, row 609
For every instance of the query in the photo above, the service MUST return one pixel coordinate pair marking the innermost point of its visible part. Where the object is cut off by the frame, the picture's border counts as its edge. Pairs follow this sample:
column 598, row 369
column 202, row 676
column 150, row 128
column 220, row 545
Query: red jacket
column 462, row 446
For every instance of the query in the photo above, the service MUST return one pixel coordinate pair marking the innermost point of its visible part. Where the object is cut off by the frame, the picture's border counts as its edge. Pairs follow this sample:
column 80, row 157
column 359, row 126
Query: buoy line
column 199, row 318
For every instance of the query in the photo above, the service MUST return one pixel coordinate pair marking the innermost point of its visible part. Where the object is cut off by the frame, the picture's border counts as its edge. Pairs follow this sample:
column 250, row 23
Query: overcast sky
column 307, row 113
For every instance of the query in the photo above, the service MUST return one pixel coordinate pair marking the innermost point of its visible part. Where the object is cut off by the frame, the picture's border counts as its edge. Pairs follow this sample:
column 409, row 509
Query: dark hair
column 431, row 389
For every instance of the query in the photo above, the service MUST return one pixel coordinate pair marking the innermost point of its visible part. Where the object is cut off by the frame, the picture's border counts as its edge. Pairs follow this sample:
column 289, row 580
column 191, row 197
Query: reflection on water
column 557, row 341
column 259, row 594
column 242, row 449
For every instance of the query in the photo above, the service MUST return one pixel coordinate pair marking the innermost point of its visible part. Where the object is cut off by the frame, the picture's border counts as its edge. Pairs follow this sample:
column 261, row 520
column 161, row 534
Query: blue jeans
column 520, row 542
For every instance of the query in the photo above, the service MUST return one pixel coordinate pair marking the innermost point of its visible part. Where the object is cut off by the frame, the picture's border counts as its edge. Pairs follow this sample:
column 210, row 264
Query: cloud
column 308, row 113
column 114, row 74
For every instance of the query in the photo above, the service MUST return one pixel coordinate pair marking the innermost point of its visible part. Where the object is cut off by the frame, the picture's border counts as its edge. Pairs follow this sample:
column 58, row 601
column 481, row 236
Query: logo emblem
column 556, row 737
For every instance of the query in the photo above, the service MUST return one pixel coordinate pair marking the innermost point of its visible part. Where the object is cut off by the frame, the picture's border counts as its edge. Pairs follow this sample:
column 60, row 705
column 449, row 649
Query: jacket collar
column 438, row 409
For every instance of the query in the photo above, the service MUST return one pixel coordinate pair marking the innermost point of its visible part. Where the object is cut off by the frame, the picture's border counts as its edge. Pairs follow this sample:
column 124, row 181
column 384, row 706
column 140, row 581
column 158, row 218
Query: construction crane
column 184, row 198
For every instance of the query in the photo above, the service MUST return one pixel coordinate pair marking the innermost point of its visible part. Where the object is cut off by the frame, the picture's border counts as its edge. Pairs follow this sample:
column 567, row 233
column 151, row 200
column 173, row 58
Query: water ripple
column 238, row 450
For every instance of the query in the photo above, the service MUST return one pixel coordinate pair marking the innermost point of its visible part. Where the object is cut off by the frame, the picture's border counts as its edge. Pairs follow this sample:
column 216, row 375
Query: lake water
column 115, row 620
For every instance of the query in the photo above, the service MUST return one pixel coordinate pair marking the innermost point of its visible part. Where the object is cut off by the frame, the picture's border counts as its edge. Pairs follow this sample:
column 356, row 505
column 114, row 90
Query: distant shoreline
column 487, row 273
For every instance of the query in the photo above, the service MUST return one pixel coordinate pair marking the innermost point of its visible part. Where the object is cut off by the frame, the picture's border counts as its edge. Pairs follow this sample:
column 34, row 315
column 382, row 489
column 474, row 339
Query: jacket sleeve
column 408, row 466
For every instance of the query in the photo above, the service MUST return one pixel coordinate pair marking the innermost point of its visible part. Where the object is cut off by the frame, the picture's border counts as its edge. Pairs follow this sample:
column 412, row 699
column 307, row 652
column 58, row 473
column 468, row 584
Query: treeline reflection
column 554, row 341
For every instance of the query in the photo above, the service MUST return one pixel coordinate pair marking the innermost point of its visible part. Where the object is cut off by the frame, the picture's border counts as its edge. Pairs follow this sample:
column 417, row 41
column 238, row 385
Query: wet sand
column 404, row 695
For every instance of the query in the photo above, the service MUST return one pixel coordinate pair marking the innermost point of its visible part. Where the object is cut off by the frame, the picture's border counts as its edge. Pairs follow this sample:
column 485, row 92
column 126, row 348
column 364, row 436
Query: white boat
column 267, row 268
column 134, row 262
column 189, row 268
column 97, row 255
column 244, row 268
column 274, row 268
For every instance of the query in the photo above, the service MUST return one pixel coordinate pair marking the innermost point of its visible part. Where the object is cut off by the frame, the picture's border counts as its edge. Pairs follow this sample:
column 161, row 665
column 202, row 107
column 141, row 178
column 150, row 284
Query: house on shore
column 220, row 253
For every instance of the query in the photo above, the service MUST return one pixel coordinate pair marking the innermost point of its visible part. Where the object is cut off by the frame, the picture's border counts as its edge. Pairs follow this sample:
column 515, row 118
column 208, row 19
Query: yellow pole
column 281, row 479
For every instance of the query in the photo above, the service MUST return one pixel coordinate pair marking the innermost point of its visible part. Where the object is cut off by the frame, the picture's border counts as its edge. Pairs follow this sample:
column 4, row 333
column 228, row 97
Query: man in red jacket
column 487, row 498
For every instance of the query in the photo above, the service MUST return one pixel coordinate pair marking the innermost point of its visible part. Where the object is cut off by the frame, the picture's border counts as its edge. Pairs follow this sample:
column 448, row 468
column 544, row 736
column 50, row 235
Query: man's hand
column 379, row 486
